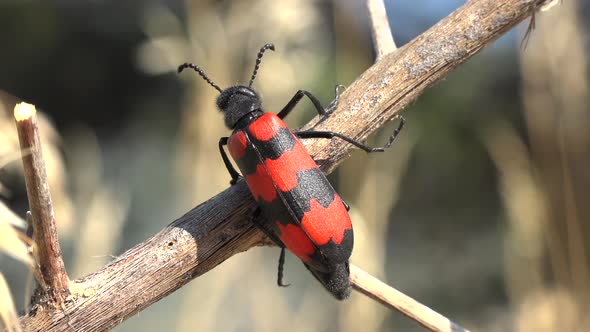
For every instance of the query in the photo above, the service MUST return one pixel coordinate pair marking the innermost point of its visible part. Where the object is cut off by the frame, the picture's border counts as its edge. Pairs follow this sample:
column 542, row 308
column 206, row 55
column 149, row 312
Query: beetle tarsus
column 345, row 205
column 281, row 268
column 334, row 104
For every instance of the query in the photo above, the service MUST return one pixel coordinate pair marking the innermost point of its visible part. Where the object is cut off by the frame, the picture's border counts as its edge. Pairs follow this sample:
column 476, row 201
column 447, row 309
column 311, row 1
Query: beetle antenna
column 200, row 71
column 259, row 60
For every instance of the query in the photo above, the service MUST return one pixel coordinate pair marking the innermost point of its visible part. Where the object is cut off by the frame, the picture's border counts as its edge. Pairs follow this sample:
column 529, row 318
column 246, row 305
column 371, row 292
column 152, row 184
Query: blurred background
column 478, row 210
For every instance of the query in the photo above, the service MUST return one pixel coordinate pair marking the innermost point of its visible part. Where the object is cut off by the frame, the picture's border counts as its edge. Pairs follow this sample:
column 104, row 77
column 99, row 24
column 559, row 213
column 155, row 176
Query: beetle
column 297, row 207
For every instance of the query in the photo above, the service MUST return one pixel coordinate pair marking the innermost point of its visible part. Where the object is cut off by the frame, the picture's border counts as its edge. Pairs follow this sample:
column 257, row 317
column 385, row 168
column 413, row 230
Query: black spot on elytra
column 311, row 184
column 339, row 253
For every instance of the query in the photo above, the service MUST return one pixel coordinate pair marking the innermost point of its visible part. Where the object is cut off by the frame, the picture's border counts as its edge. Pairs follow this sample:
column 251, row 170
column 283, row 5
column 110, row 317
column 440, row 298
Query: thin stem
column 55, row 281
column 380, row 29
column 396, row 300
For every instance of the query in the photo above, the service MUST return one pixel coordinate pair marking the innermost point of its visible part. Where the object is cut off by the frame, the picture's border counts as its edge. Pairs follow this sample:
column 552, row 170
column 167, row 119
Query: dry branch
column 54, row 281
column 219, row 228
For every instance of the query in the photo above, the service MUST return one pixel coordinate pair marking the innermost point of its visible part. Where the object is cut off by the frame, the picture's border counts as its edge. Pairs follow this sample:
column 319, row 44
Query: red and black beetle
column 300, row 209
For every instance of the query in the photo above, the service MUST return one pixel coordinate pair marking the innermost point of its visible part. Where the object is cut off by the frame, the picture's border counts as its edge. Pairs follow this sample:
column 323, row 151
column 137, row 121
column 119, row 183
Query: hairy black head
column 236, row 102
column 336, row 280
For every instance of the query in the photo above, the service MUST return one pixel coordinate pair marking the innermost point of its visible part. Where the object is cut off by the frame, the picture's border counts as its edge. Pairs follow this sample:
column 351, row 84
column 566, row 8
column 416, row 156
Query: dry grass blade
column 10, row 241
column 396, row 300
column 7, row 158
column 556, row 101
column 547, row 6
column 7, row 310
column 10, row 217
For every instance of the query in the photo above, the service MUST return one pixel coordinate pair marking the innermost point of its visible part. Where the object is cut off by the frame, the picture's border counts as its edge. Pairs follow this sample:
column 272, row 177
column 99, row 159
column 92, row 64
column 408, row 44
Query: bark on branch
column 219, row 228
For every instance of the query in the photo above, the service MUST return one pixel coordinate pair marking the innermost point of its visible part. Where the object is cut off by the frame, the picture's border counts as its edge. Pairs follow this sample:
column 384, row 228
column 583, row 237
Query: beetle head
column 236, row 101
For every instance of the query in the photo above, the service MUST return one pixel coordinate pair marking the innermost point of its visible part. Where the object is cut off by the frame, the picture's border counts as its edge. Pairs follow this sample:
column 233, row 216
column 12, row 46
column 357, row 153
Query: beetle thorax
column 236, row 102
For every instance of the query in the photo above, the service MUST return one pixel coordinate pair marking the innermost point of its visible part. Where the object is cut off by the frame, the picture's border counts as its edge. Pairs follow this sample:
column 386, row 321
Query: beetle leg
column 264, row 228
column 368, row 149
column 281, row 267
column 235, row 176
column 345, row 205
column 324, row 112
column 334, row 103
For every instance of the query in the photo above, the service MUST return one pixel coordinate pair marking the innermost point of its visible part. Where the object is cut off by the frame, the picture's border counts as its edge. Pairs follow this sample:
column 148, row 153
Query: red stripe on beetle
column 261, row 184
column 284, row 169
column 296, row 240
column 266, row 126
column 322, row 224
column 237, row 145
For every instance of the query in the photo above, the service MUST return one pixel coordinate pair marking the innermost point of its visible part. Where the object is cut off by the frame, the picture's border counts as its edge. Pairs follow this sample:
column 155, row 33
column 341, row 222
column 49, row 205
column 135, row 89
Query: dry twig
column 380, row 29
column 219, row 228
column 54, row 280
column 396, row 300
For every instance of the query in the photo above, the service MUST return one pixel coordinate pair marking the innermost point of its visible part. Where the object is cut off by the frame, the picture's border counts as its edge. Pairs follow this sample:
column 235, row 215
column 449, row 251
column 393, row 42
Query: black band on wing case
column 271, row 149
column 281, row 142
column 249, row 162
column 311, row 184
column 339, row 253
